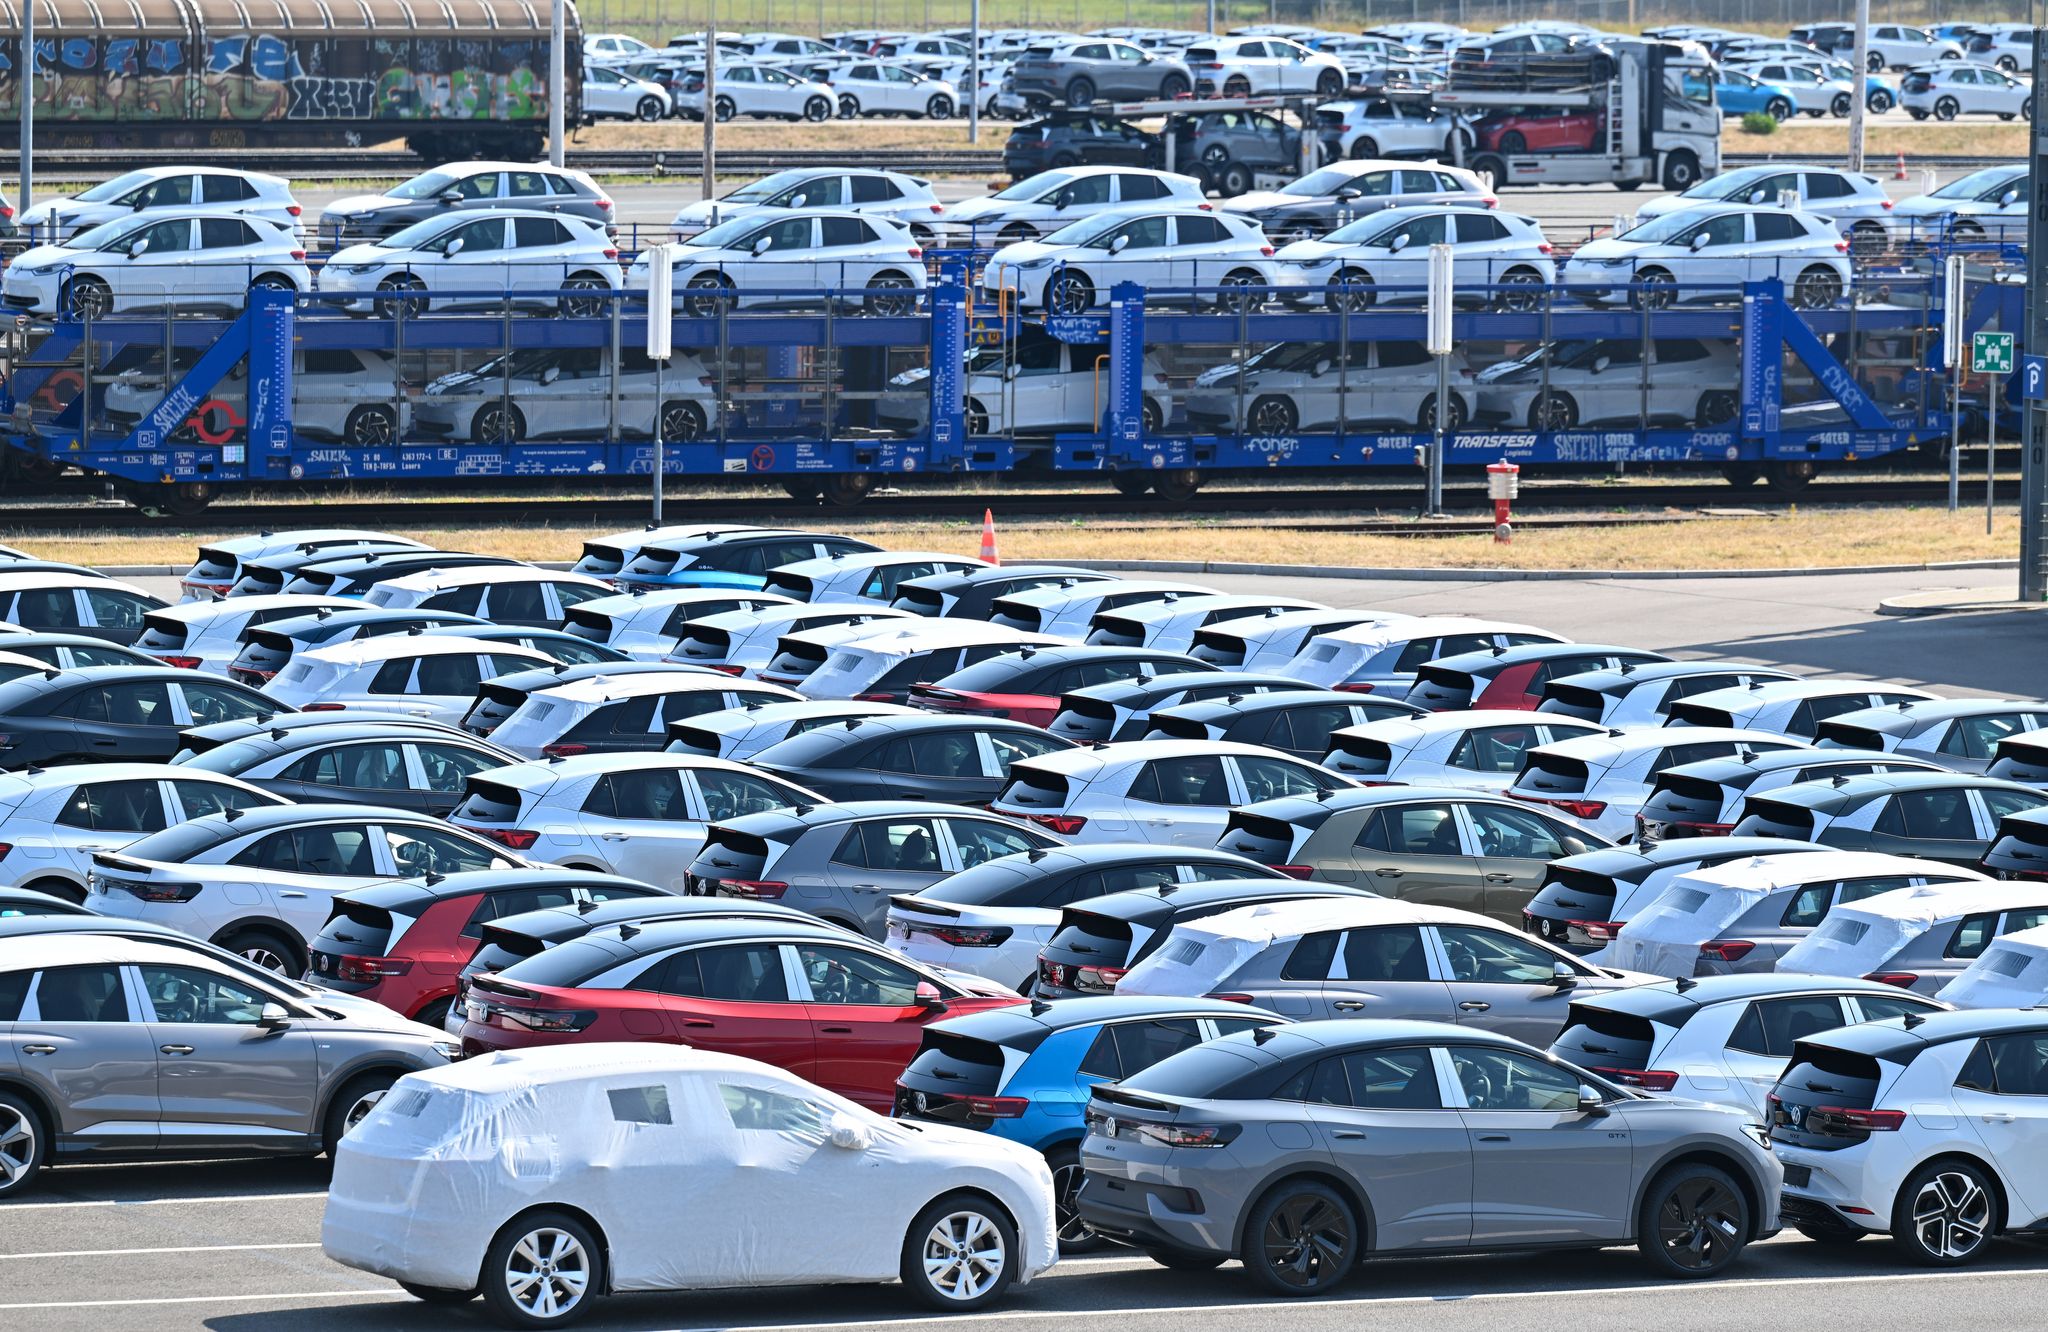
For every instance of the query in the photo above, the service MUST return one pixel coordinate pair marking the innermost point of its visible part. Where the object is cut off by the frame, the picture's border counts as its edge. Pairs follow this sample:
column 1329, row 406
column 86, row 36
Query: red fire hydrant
column 1503, row 483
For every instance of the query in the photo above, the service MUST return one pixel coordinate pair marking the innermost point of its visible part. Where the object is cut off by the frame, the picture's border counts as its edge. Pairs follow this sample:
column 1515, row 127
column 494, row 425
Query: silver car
column 1334, row 1140
column 116, row 1046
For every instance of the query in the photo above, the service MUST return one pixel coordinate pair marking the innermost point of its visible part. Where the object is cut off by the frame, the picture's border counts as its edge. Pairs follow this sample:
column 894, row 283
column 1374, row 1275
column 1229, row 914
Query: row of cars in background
column 1112, row 872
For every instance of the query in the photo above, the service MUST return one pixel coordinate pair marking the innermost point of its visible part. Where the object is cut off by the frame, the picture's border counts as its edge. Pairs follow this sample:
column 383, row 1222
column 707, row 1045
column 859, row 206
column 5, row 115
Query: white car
column 1993, row 200
column 882, row 664
column 1374, row 127
column 345, row 393
column 1170, row 625
column 753, row 1193
column 615, row 95
column 219, row 563
column 639, row 815
column 786, row 46
column 1695, row 800
column 207, row 635
column 742, row 732
column 2010, row 46
column 1709, row 253
column 1926, row 1130
column 1042, row 204
column 183, row 261
column 607, row 556
column 1918, row 937
column 465, row 187
column 1902, row 46
column 2011, row 972
column 1263, row 67
column 59, row 819
column 1213, row 257
column 1813, row 90
column 260, row 881
column 1948, row 91
column 1295, row 386
column 80, row 603
column 1167, row 792
column 1564, row 385
column 867, row 578
column 1602, row 780
column 744, row 642
column 1856, row 203
column 1474, row 750
column 889, row 194
column 1963, row 735
column 160, row 191
column 1261, row 642
column 566, row 393
column 1497, row 258
column 644, row 625
column 877, row 88
column 755, row 262
column 447, row 263
column 1721, row 1039
column 435, row 678
column 1641, row 693
column 764, row 91
column 607, row 714
column 1032, row 384
column 1382, row 656
column 611, row 48
column 1793, row 708
column 504, row 594
column 1067, row 609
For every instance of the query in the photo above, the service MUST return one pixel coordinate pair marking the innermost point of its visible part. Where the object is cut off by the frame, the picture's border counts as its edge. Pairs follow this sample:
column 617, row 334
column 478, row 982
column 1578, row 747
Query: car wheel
column 91, row 298
column 713, row 292
column 1214, row 156
column 1350, row 291
column 960, row 1254
column 939, row 108
column 1329, row 83
column 1778, row 109
column 24, row 1146
column 273, row 282
column 682, row 422
column 1693, row 1221
column 1075, row 1235
column 1788, row 476
column 1454, row 414
column 843, row 490
column 818, row 109
column 1364, row 148
column 394, row 304
column 1016, row 232
column 1839, row 107
column 584, row 307
column 372, row 423
column 1946, row 1214
column 497, row 423
column 1519, row 290
column 1272, row 415
column 649, row 108
column 63, row 888
column 1080, row 92
column 438, row 1294
column 848, row 106
column 1236, row 180
column 1653, row 289
column 543, row 1270
column 1742, row 475
column 1817, row 288
column 1187, row 1260
column 1061, row 161
column 1554, row 410
column 1171, row 87
column 1512, row 143
column 890, row 294
column 355, row 1100
column 2027, row 109
column 1069, row 293
column 1240, row 291
column 2008, row 64
column 1716, row 407
column 1177, row 485
column 1237, row 85
column 724, row 109
column 1876, row 63
column 1301, row 1239
column 1946, row 108
column 268, row 950
column 1681, row 171
column 1916, row 113
column 435, row 1015
column 1879, row 102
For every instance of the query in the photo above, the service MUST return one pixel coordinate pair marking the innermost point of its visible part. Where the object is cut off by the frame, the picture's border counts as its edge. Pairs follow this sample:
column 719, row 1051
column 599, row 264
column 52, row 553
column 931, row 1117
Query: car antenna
column 1035, row 854
column 1142, row 679
column 323, row 613
column 1233, row 698
column 628, row 931
column 415, row 629
column 585, row 907
column 1040, row 1007
column 753, row 705
column 802, row 811
column 35, row 771
column 430, row 878
column 232, row 813
column 1686, row 983
column 1260, row 1035
column 1756, row 684
column 1913, row 1020
column 1627, row 667
column 1746, row 754
column 1841, row 779
column 278, row 733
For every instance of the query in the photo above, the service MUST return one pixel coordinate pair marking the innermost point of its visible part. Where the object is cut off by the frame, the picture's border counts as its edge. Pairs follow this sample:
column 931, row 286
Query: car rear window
column 1573, row 701
column 956, row 1065
column 488, row 802
column 1266, row 840
column 567, row 964
column 1033, row 790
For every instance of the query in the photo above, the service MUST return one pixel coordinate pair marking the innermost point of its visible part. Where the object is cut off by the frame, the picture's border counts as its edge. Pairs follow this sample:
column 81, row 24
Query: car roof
column 1891, row 716
column 917, row 634
column 1233, row 705
column 1779, row 691
column 1612, row 744
column 435, row 579
column 1149, row 611
column 195, row 612
column 425, row 890
column 32, row 780
column 864, row 559
column 1672, row 1002
column 1095, row 757
column 673, row 931
column 34, row 952
column 1960, row 893
column 1521, row 652
column 263, row 818
column 23, row 582
column 1169, row 900
column 1140, row 687
column 608, row 688
column 1377, row 632
column 1424, row 724
column 1027, row 1023
column 53, row 678
column 383, row 647
column 1730, row 766
column 573, row 766
column 1844, row 791
column 1893, row 1040
column 1771, row 872
column 770, row 822
column 537, row 1070
column 560, row 923
column 996, row 573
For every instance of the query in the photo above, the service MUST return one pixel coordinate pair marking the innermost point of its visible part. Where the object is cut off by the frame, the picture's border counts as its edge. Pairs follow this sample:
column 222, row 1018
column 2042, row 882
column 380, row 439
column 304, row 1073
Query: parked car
column 1540, row 130
column 1513, row 677
column 607, row 713
column 1383, row 655
column 744, row 641
column 1263, row 67
column 1471, row 750
column 1077, row 138
column 764, row 92
column 1043, row 203
column 1170, row 624
column 1939, row 815
column 114, row 712
column 1901, row 46
column 888, row 194
column 1215, row 259
column 1992, row 199
column 1585, row 900
column 1641, row 693
column 882, row 663
column 1602, row 780
column 268, row 649
column 1034, row 384
column 738, row 558
column 459, row 187
column 1920, row 937
column 2007, row 974
column 756, row 262
column 204, row 636
column 71, row 651
column 75, row 603
column 1855, row 202
column 418, row 773
column 1097, row 714
column 1740, row 93
column 523, row 256
column 769, row 1151
column 354, row 576
column 1067, row 605
column 181, row 261
column 1794, row 708
column 1375, row 127
column 1705, row 799
column 1077, row 72
column 1815, row 91
column 521, row 595
column 877, row 88
column 1960, row 734
column 1710, row 253
column 1288, row 387
column 272, row 573
column 949, row 760
column 428, row 676
column 197, row 740
column 1563, row 386
column 1231, row 148
column 1264, row 640
column 614, row 94
column 158, row 191
column 1329, row 198
column 740, row 733
column 1391, row 1081
column 1297, row 722
column 861, row 578
column 565, row 393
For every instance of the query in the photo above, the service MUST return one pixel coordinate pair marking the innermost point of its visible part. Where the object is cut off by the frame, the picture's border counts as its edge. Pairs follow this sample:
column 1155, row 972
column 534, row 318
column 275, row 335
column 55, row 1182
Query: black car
column 114, row 712
column 1064, row 875
column 272, row 573
column 425, row 772
column 1293, row 721
column 1077, row 139
column 568, row 648
column 1123, row 711
column 267, row 649
column 737, row 559
column 88, row 605
column 463, row 187
column 1702, row 799
column 500, row 696
column 954, row 760
column 1228, row 148
column 354, row 578
column 972, row 595
column 69, row 651
column 1099, row 940
column 199, row 739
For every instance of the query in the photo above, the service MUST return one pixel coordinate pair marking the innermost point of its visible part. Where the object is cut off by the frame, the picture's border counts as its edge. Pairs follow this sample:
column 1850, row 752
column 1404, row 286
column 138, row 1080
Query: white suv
column 159, row 192
column 1948, row 91
column 1263, row 67
column 1901, row 46
column 182, row 261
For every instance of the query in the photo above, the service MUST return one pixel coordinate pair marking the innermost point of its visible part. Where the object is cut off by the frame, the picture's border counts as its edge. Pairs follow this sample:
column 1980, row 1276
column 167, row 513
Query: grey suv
column 103, row 1031
column 1079, row 72
column 1303, row 1149
column 466, row 185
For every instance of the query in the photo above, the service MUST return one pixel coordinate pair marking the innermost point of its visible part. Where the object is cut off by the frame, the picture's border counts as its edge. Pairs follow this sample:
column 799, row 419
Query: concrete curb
column 1514, row 575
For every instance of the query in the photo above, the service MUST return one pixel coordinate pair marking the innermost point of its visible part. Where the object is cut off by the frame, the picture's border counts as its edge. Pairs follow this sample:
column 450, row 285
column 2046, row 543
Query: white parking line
column 218, row 1299
column 165, row 1202
column 182, row 1248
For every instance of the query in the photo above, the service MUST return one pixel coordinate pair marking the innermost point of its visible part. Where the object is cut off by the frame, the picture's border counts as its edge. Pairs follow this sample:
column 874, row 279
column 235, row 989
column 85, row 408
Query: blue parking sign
column 2034, row 377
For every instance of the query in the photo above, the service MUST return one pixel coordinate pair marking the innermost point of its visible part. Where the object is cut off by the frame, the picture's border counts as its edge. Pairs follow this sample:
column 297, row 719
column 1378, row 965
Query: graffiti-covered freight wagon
column 453, row 78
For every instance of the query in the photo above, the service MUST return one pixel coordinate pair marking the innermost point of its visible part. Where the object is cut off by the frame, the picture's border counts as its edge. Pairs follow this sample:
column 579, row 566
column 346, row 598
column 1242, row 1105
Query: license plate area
column 1799, row 1176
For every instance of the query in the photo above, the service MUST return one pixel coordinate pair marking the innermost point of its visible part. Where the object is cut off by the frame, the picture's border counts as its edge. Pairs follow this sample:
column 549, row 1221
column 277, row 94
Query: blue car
column 1738, row 94
column 1024, row 1073
column 739, row 559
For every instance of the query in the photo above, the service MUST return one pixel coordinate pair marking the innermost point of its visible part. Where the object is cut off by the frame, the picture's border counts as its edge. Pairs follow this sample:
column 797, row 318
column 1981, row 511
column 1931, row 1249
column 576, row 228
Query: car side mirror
column 452, row 248
column 1572, row 846
column 449, row 198
column 761, row 245
column 139, row 205
column 551, row 374
column 1600, row 364
column 1119, row 245
column 1012, row 370
column 1591, row 1102
column 2009, row 197
column 1562, row 975
column 1322, row 368
column 851, row 1136
column 274, row 1017
column 1699, row 242
column 135, row 251
column 1346, row 193
column 1400, row 242
column 928, row 998
column 1755, row 197
column 1064, row 198
column 798, row 200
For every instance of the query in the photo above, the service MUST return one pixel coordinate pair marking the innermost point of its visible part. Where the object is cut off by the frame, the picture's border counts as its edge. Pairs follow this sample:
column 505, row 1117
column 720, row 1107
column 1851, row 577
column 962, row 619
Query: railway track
column 1371, row 510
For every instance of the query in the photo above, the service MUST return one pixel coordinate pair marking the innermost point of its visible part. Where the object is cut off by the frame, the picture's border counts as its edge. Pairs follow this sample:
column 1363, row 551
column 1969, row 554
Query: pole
column 1212, row 16
column 1952, row 362
column 974, row 98
column 661, row 275
column 660, row 463
column 558, row 86
column 711, row 108
column 1438, row 344
column 1991, row 453
column 26, row 90
column 1861, row 60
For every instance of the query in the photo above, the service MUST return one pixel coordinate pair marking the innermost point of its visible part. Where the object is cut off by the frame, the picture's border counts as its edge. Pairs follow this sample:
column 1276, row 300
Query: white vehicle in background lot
column 1813, row 90
column 609, row 94
column 611, row 48
column 1033, row 385
column 644, row 625
column 1710, row 253
column 1951, row 90
column 1788, row 707
column 1380, row 127
column 765, row 92
column 1602, row 780
column 866, row 578
column 742, row 732
column 874, row 88
column 447, row 263
column 1382, row 656
column 220, row 562
column 1477, row 750
column 565, row 393
column 206, row 635
column 183, row 261
column 1993, row 200
column 1263, row 67
column 757, row 262
column 435, row 678
column 1072, row 270
column 1292, row 386
column 345, row 393
column 601, row 713
column 606, row 557
column 888, row 194
column 1042, row 204
column 1854, row 202
column 1066, row 608
column 742, row 642
column 161, row 191
column 519, row 594
column 1902, row 46
column 1496, row 258
column 1560, row 386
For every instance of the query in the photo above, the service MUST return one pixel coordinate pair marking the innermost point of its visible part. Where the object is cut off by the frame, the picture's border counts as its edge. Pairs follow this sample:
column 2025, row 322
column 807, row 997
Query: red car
column 404, row 943
column 811, row 999
column 1540, row 132
column 1514, row 678
column 1026, row 685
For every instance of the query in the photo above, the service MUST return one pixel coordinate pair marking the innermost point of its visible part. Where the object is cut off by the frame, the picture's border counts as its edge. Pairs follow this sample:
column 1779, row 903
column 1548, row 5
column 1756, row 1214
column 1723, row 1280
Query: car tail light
column 5, row 847
column 725, row 668
column 183, row 663
column 1343, row 129
column 1206, row 206
column 1354, row 688
column 1727, row 950
column 767, row 888
column 156, row 892
column 1198, row 133
column 6, row 210
column 963, row 936
column 611, row 254
column 564, row 749
column 1903, row 979
column 1100, row 980
column 868, row 698
column 1295, row 871
column 1600, row 931
column 545, row 1019
column 1230, row 998
column 1544, row 248
column 250, row 675
column 1842, row 246
column 355, row 968
column 915, row 252
column 938, row 208
column 1186, row 1135
column 325, row 707
column 997, row 1107
column 1850, row 1117
column 519, row 839
column 1489, row 200
column 605, row 205
column 1578, row 809
column 299, row 255
column 1886, row 204
column 1066, row 825
column 1648, row 1079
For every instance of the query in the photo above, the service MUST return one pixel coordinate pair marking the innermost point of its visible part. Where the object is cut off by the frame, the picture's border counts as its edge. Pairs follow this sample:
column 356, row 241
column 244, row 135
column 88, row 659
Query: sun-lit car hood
column 38, row 256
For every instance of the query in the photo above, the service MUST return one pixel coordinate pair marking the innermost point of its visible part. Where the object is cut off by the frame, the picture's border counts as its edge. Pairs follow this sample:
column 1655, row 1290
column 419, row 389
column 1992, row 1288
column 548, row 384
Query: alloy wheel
column 360, row 1110
column 548, row 1273
column 266, row 957
column 1307, row 1242
column 1952, row 1215
column 1066, row 1186
column 964, row 1255
column 1700, row 1224
column 18, row 1144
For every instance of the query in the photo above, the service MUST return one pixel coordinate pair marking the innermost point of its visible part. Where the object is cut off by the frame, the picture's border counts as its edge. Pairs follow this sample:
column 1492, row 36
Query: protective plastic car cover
column 699, row 1169
column 1200, row 955
column 2012, row 973
column 1857, row 938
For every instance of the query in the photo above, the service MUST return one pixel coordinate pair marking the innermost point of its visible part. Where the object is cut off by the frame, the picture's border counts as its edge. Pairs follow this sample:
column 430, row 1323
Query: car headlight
column 360, row 270
column 449, row 1050
column 1045, row 261
column 1324, row 262
column 1758, row 1134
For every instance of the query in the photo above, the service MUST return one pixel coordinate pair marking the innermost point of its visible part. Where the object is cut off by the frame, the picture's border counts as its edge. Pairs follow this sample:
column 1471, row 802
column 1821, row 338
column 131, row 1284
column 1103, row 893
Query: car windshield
column 767, row 187
column 725, row 235
column 426, row 185
column 1986, row 184
column 418, row 236
column 1729, row 185
column 1041, row 186
column 1317, row 183
column 1086, row 230
column 106, row 235
column 115, row 188
column 1663, row 230
column 1372, row 229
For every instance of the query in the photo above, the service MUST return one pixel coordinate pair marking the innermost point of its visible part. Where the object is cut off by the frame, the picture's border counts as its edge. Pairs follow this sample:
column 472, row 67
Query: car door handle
column 1475, row 1005
column 837, row 1031
column 1998, row 1118
column 1348, row 1005
column 290, row 892
column 1389, row 873
column 1347, row 1133
column 613, row 837
column 39, row 1049
column 175, row 1049
column 698, row 1022
column 105, row 744
column 1500, row 878
column 1493, row 1137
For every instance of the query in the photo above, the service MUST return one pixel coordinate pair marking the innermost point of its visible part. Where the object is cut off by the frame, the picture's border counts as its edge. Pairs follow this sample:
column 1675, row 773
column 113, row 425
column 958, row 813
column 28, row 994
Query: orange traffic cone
column 1900, row 172
column 988, row 537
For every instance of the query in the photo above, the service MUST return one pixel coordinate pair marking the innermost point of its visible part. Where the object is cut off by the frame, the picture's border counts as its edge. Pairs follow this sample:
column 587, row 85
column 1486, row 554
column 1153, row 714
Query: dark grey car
column 422, row 772
column 1334, row 1141
column 1958, row 733
column 1936, row 815
column 464, row 185
column 106, row 1033
column 1079, row 72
